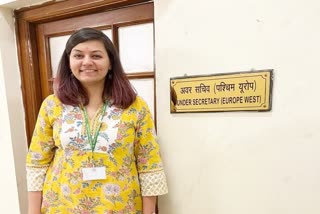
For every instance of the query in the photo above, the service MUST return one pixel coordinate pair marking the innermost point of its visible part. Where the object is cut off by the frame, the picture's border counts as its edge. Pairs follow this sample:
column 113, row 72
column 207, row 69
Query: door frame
column 26, row 21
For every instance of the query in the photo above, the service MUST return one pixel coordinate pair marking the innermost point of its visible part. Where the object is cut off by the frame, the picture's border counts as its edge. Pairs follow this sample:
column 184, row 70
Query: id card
column 94, row 173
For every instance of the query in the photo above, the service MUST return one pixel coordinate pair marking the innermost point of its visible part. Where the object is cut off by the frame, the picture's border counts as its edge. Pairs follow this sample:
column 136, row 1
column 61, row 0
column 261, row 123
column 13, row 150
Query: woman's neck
column 95, row 100
column 95, row 94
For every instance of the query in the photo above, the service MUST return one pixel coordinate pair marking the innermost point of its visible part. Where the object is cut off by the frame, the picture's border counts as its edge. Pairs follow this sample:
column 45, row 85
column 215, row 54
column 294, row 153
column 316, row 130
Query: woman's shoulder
column 139, row 103
column 51, row 107
column 52, row 101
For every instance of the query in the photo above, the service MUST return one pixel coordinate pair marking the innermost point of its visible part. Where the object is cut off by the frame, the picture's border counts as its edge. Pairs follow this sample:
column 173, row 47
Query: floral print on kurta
column 126, row 146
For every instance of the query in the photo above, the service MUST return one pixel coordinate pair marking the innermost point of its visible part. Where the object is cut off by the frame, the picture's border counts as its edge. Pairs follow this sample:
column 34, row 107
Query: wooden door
column 42, row 32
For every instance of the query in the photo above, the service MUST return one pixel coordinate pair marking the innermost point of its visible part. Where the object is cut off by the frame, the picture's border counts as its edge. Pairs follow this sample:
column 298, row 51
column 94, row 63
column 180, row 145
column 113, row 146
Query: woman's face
column 89, row 62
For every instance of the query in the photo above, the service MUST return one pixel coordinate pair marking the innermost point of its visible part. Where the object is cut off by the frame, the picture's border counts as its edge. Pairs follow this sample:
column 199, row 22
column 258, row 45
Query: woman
column 94, row 148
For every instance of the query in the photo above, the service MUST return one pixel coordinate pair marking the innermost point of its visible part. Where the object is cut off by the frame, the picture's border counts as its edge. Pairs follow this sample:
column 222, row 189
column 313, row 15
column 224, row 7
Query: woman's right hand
column 34, row 202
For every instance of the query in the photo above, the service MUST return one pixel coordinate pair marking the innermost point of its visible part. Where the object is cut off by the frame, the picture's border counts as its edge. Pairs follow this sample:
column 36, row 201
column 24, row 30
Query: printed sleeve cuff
column 153, row 183
column 35, row 178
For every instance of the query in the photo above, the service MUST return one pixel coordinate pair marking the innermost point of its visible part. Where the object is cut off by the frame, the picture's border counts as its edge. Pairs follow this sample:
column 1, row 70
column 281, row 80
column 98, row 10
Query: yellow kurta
column 126, row 146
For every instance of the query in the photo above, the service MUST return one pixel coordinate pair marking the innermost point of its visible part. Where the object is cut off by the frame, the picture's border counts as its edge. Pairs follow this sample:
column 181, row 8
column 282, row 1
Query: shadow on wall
column 173, row 99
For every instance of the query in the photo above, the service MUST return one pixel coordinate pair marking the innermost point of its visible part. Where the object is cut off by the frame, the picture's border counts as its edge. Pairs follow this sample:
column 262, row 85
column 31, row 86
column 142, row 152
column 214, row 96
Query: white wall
column 12, row 137
column 9, row 197
column 241, row 163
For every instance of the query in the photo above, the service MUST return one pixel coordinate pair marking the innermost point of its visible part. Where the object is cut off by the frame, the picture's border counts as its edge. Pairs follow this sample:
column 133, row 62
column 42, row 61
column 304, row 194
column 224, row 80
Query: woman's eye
column 77, row 56
column 96, row 56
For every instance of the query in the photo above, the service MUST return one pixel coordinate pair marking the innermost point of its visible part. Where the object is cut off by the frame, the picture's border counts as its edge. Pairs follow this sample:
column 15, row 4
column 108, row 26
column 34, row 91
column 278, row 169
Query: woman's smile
column 88, row 70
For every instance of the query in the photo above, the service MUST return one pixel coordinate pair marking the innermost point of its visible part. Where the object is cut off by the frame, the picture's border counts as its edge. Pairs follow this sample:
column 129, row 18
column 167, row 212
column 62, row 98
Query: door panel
column 136, row 47
column 144, row 88
column 121, row 17
column 56, row 46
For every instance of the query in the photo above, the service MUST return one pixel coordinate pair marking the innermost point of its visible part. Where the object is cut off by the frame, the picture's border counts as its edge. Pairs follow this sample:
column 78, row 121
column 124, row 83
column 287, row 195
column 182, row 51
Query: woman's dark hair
column 117, row 88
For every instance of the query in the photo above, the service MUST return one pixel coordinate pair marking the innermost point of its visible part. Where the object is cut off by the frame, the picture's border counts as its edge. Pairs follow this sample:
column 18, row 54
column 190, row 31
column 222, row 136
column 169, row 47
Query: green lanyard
column 93, row 141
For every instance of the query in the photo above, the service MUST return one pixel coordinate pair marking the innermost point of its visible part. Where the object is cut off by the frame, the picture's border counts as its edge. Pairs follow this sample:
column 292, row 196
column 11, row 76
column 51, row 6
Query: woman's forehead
column 91, row 45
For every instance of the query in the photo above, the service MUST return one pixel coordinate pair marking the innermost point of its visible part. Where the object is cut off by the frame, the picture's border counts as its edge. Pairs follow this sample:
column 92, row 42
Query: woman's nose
column 87, row 60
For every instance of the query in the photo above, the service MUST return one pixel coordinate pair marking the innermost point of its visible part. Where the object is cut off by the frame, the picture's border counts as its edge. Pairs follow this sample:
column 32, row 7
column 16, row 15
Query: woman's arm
column 149, row 204
column 152, row 178
column 34, row 202
column 41, row 152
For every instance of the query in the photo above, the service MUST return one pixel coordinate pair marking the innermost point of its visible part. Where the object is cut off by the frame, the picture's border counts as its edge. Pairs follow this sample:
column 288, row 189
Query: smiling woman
column 94, row 147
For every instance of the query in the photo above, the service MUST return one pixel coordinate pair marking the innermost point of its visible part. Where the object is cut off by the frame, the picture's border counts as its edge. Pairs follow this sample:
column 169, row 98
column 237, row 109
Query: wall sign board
column 243, row 91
